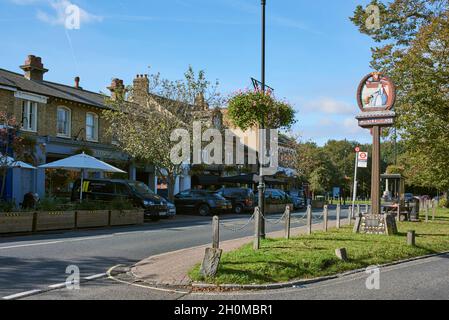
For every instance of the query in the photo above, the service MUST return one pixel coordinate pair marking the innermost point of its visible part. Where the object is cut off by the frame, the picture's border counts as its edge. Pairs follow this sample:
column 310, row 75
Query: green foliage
column 394, row 169
column 118, row 204
column 414, row 37
column 144, row 129
column 444, row 202
column 7, row 206
column 52, row 204
column 251, row 109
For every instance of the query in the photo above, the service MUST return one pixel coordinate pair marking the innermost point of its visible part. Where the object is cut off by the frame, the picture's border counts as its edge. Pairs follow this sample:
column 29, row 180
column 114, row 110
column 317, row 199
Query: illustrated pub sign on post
column 376, row 96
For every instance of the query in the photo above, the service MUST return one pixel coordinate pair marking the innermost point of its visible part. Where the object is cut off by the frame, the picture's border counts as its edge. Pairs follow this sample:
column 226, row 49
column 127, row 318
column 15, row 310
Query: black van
column 242, row 199
column 135, row 192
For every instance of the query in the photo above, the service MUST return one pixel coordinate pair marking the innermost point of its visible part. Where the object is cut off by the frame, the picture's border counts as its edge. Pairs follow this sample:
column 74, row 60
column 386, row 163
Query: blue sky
column 315, row 56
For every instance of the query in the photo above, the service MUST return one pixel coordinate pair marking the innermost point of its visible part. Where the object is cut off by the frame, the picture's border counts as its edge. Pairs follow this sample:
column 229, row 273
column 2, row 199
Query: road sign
column 362, row 159
column 357, row 149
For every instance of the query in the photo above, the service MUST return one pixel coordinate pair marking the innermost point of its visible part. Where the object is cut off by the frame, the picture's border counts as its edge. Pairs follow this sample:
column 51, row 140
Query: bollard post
column 366, row 208
column 427, row 211
column 338, row 216
column 398, row 213
column 256, row 245
column 434, row 209
column 325, row 218
column 358, row 212
column 309, row 220
column 216, row 232
column 350, row 215
column 287, row 223
column 411, row 238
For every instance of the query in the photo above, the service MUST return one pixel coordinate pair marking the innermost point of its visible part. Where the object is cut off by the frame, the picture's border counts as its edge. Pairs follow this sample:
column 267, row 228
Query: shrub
column 89, row 205
column 51, row 204
column 119, row 204
column 7, row 206
column 444, row 203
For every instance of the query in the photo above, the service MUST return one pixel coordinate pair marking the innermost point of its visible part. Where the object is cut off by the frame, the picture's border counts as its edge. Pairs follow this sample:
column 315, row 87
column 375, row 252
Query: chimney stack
column 34, row 69
column 117, row 89
column 77, row 83
column 141, row 89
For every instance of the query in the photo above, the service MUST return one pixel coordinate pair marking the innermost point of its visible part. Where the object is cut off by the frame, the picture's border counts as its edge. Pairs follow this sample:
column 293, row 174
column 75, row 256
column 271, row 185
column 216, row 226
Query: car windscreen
column 217, row 196
column 141, row 188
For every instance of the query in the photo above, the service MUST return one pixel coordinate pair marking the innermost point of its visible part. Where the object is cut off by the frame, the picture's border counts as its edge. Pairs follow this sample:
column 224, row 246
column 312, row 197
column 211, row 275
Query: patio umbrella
column 12, row 163
column 83, row 163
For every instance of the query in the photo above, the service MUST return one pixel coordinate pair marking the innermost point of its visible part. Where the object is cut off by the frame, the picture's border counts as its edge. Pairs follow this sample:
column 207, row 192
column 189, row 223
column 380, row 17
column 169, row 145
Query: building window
column 91, row 127
column 64, row 122
column 29, row 116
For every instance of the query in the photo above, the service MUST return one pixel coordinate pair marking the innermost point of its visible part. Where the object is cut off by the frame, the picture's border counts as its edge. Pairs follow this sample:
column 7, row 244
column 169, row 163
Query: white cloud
column 58, row 16
column 351, row 126
column 328, row 106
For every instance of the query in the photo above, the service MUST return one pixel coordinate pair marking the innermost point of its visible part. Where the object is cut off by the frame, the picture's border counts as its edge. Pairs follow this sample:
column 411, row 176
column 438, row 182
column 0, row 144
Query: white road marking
column 21, row 295
column 58, row 286
column 96, row 276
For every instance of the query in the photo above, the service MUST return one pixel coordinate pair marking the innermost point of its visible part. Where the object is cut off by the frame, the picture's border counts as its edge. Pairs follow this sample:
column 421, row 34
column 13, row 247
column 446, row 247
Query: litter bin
column 414, row 209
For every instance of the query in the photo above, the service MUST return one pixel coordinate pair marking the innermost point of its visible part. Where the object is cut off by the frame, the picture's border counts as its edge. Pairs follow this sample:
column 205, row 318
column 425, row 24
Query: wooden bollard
column 427, row 211
column 256, row 245
column 309, row 220
column 216, row 232
column 287, row 222
column 358, row 211
column 325, row 218
column 411, row 238
column 338, row 216
column 434, row 209
column 350, row 213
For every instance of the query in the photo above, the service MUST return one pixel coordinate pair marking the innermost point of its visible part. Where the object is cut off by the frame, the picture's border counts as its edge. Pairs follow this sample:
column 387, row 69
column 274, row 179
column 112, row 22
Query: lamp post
column 261, row 186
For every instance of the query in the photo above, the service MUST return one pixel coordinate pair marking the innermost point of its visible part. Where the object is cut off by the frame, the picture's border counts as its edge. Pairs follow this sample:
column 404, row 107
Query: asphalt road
column 426, row 279
column 29, row 263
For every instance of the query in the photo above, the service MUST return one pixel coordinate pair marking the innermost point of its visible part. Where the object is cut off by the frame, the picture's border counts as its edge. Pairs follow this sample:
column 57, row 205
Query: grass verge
column 307, row 257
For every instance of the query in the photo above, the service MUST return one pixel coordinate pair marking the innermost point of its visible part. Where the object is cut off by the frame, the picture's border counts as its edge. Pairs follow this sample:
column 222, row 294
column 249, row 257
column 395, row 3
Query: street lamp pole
column 261, row 186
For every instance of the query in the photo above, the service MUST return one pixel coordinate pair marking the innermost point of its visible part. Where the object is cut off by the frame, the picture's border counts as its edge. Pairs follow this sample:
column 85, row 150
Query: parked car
column 299, row 202
column 275, row 196
column 242, row 199
column 201, row 202
column 135, row 192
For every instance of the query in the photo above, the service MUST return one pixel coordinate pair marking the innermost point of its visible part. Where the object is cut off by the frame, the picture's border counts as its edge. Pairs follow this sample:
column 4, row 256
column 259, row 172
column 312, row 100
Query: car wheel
column 203, row 210
column 238, row 209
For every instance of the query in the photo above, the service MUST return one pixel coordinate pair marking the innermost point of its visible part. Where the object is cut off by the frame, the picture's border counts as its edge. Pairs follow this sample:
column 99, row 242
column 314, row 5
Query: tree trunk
column 171, row 187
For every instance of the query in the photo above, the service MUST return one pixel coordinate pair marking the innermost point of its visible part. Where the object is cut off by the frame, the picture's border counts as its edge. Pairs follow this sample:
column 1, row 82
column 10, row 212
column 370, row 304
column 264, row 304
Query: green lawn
column 314, row 256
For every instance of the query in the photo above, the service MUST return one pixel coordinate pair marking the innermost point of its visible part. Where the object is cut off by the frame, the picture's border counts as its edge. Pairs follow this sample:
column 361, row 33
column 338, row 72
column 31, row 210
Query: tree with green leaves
column 414, row 51
column 143, row 130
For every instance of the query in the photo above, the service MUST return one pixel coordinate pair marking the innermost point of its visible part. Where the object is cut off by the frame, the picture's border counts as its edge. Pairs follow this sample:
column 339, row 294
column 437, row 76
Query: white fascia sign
column 31, row 97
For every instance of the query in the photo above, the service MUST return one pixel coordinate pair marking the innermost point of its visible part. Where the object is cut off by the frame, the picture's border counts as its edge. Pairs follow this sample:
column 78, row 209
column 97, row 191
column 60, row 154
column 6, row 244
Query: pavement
column 426, row 279
column 171, row 269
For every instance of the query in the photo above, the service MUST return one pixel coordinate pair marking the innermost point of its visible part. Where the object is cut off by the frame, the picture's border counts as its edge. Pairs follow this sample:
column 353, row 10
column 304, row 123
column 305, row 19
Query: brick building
column 61, row 120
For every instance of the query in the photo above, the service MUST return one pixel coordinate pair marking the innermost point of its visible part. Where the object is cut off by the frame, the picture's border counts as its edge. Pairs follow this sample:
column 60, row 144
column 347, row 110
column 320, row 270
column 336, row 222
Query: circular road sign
column 357, row 149
column 363, row 156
